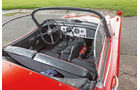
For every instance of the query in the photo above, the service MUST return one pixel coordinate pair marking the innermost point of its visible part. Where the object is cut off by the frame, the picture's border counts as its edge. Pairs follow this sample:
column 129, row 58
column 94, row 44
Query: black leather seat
column 20, row 51
column 62, row 65
column 54, row 52
column 50, row 53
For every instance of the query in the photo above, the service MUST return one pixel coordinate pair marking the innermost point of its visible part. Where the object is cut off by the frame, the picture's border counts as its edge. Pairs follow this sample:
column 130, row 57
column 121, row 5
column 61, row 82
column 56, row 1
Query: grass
column 129, row 7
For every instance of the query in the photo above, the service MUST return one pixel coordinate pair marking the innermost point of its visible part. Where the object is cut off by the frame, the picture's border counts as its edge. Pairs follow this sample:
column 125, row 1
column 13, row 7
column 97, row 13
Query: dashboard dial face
column 76, row 31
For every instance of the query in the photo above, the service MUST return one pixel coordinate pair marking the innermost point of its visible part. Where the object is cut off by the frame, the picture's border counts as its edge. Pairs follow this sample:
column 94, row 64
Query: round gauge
column 76, row 31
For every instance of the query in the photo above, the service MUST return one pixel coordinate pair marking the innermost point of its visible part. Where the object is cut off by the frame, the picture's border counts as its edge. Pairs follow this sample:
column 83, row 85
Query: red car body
column 15, row 77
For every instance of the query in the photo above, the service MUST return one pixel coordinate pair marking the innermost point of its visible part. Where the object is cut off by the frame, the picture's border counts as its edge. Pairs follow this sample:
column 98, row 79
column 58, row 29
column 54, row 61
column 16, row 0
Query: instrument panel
column 78, row 32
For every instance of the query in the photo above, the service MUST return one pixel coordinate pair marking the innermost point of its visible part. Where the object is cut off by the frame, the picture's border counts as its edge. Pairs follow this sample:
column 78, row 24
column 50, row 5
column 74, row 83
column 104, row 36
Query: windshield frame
column 74, row 9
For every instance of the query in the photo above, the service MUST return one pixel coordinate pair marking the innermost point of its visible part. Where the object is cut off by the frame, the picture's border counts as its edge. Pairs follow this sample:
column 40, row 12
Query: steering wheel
column 50, row 31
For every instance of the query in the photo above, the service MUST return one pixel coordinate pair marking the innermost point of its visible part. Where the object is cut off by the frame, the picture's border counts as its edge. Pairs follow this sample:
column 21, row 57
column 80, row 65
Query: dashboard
column 78, row 28
column 78, row 32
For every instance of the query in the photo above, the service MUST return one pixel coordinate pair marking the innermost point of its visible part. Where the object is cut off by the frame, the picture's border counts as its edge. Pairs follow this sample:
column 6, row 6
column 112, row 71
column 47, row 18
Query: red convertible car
column 70, row 49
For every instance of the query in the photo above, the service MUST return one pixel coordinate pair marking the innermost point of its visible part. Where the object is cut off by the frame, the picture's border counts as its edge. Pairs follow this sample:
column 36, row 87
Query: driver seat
column 50, row 53
column 54, row 52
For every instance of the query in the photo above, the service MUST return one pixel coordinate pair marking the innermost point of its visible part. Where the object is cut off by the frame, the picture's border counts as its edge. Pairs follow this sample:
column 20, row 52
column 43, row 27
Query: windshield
column 19, row 27
column 41, row 16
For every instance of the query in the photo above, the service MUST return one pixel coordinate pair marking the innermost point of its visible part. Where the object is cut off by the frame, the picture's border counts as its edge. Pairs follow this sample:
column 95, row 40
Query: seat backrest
column 62, row 65
column 20, row 51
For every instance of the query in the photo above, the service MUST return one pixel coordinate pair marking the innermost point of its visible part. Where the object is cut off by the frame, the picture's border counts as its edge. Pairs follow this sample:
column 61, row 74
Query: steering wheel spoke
column 52, row 39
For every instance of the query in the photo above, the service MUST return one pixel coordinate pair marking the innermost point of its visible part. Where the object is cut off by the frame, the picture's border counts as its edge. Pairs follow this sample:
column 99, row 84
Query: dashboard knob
column 68, row 30
column 76, row 31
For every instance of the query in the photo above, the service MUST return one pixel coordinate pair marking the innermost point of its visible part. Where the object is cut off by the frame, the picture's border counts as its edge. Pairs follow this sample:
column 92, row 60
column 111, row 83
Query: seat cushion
column 50, row 53
column 55, row 50
column 20, row 51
